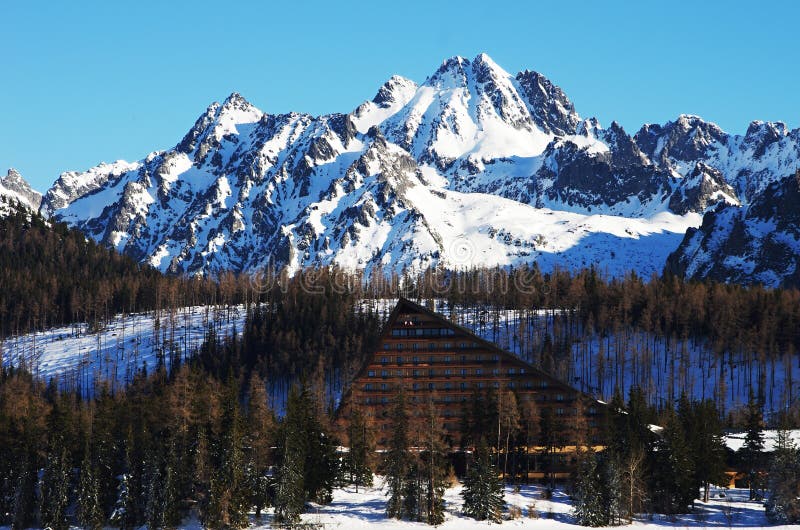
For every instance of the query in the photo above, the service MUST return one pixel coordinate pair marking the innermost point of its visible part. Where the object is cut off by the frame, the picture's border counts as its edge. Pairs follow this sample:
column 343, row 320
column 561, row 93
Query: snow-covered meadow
column 76, row 357
column 366, row 509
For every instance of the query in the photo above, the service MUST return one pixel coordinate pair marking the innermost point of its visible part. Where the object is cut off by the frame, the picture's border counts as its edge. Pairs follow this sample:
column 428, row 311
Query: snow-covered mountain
column 759, row 242
column 475, row 166
column 15, row 190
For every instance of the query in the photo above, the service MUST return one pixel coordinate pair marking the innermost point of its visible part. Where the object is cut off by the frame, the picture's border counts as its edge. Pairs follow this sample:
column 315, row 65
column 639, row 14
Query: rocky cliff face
column 15, row 190
column 756, row 243
column 474, row 166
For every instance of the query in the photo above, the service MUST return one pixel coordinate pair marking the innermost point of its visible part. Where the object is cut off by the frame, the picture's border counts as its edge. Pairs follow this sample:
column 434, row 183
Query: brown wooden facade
column 433, row 359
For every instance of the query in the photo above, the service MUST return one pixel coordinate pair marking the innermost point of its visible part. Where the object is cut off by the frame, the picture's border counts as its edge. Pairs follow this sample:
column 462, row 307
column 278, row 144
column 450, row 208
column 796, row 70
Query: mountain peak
column 550, row 108
column 14, row 186
column 236, row 101
column 394, row 89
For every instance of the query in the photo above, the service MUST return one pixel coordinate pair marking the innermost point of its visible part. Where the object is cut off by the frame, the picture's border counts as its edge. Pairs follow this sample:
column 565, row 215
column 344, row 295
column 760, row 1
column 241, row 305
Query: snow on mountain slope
column 748, row 164
column 756, row 243
column 15, row 190
column 408, row 178
column 75, row 357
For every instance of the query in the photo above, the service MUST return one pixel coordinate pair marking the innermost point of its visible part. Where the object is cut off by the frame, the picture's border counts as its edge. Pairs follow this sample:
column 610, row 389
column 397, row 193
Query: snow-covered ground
column 735, row 440
column 76, row 357
column 367, row 509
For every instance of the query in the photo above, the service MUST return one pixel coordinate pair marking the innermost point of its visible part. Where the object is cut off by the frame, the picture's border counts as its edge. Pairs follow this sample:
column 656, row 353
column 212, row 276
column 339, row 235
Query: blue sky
column 85, row 82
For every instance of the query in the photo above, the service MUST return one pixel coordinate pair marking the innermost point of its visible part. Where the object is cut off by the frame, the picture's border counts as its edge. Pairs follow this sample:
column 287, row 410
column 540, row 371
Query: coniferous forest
column 211, row 438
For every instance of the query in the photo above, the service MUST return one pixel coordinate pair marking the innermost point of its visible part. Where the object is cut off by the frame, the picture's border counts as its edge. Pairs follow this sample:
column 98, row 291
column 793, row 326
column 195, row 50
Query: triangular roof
column 404, row 302
column 406, row 305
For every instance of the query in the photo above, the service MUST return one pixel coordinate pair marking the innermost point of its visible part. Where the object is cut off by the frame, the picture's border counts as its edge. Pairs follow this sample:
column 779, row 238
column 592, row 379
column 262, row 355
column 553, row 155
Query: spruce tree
column 701, row 423
column 89, row 514
column 751, row 454
column 783, row 498
column 55, row 488
column 590, row 509
column 483, row 489
column 361, row 447
column 397, row 465
column 434, row 465
column 671, row 476
column 290, row 487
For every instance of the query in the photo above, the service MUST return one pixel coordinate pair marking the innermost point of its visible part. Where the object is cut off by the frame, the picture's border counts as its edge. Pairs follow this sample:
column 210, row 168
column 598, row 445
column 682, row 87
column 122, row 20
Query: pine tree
column 260, row 435
column 89, row 513
column 434, row 465
column 590, row 509
column 228, row 505
column 361, row 447
column 751, row 453
column 783, row 499
column 483, row 489
column 55, row 488
column 290, row 488
column 703, row 429
column 672, row 484
column 397, row 464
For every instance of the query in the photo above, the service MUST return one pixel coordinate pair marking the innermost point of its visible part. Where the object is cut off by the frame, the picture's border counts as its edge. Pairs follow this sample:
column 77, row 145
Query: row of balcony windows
column 431, row 346
column 434, row 359
column 465, row 386
column 451, row 372
column 423, row 332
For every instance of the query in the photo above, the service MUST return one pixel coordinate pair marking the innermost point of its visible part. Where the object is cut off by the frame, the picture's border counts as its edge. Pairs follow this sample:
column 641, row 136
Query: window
column 495, row 358
column 463, row 358
column 463, row 386
column 399, row 346
column 399, row 360
column 463, row 345
column 544, row 384
column 480, row 384
column 384, row 386
column 511, row 371
column 447, row 346
column 371, row 373
column 431, row 346
column 448, row 386
column 384, row 400
column 495, row 371
column 417, row 373
column 463, row 371
column 431, row 386
column 384, row 360
column 559, row 411
column 368, row 386
column 496, row 384
column 448, row 372
column 431, row 373
column 416, row 386
column 387, row 346
column 559, row 397
column 478, row 371
column 522, row 370
column 415, row 346
column 511, row 384
column 447, row 358
column 384, row 373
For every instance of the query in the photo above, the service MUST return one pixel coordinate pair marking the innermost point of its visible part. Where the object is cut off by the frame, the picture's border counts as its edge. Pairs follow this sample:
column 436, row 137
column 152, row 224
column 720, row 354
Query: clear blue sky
column 85, row 82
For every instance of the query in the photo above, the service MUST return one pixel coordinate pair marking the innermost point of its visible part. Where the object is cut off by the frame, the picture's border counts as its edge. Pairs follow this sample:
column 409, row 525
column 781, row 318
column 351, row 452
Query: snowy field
column 366, row 510
column 76, row 357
